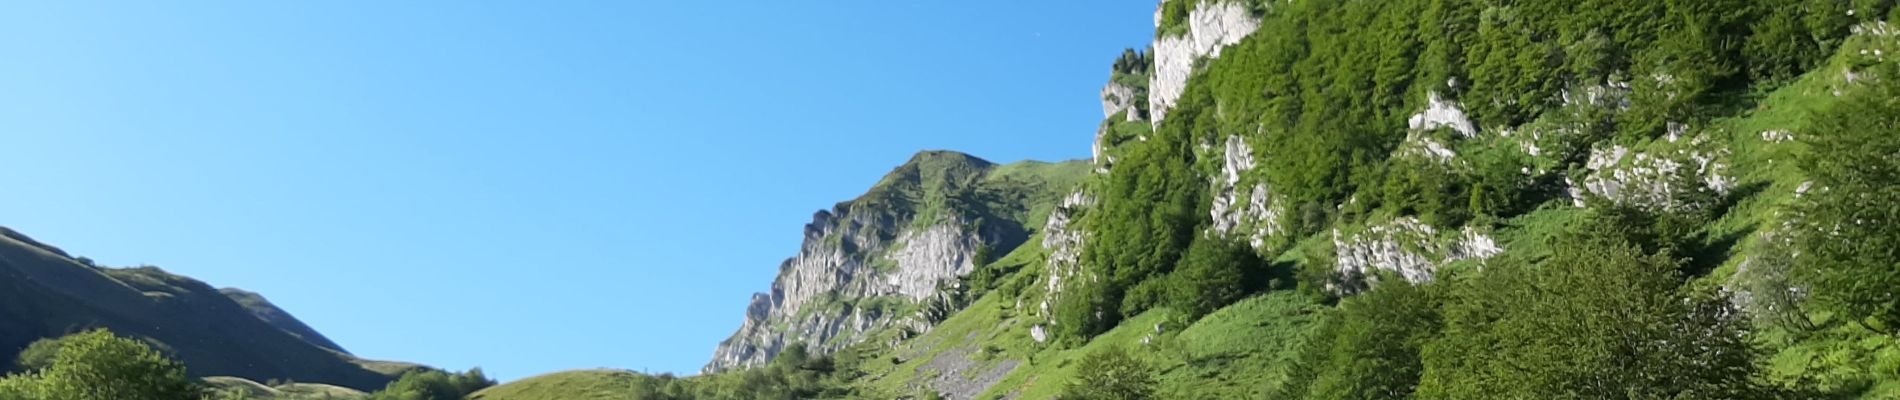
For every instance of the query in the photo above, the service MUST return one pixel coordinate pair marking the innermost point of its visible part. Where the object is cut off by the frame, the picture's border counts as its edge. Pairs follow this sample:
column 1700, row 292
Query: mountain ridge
column 49, row 294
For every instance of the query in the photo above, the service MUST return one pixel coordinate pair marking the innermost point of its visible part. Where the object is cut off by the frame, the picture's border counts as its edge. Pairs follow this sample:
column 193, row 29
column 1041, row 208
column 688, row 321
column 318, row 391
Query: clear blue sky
column 527, row 188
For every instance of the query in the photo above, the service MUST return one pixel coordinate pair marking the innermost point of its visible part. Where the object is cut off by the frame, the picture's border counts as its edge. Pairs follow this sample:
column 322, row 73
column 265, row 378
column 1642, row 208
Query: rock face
column 1405, row 246
column 1064, row 241
column 1212, row 26
column 1116, row 98
column 864, row 262
column 1677, row 181
column 1441, row 113
column 1257, row 218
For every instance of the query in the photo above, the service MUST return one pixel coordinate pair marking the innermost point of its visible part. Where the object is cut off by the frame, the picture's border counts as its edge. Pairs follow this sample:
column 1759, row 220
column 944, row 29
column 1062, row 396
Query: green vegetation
column 1599, row 318
column 1702, row 298
column 792, row 375
column 434, row 385
column 96, row 365
column 1111, row 374
column 46, row 293
column 1767, row 268
column 1369, row 348
column 1852, row 247
column 1323, row 93
column 233, row 388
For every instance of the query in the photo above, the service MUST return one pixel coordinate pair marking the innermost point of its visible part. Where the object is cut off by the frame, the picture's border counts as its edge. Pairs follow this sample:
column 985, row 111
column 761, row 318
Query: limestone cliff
column 1211, row 25
column 878, row 262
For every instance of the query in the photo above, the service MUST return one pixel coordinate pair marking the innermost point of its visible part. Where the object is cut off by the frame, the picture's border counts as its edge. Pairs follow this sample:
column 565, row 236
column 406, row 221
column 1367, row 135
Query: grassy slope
column 45, row 293
column 1837, row 355
column 279, row 318
column 1237, row 352
column 225, row 385
column 568, row 385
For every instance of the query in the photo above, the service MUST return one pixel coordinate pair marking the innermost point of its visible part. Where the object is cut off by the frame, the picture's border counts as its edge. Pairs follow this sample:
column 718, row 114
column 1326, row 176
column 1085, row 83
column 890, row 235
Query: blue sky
column 526, row 188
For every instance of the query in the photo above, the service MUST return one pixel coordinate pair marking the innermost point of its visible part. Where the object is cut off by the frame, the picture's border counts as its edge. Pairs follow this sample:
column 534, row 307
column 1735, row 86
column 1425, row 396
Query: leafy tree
column 1781, row 46
column 19, row 387
column 39, row 355
column 1851, row 251
column 1369, row 348
column 793, row 374
column 1110, row 374
column 1216, row 272
column 1770, row 295
column 97, row 365
column 1436, row 195
column 1150, row 210
column 1599, row 318
column 1133, row 62
column 434, row 385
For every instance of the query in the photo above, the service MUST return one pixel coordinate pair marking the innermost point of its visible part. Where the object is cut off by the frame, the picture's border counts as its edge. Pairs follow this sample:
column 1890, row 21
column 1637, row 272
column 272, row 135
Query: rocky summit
column 894, row 255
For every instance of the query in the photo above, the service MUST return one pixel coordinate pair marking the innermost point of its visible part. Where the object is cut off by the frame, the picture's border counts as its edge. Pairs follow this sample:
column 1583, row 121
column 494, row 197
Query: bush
column 1110, row 374
column 1849, row 216
column 99, row 365
column 1599, row 319
column 1368, row 348
column 434, row 385
column 1215, row 273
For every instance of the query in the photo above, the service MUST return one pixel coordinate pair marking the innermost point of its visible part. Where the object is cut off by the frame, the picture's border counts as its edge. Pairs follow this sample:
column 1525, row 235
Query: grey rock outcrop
column 1441, row 113
column 1212, row 26
column 905, row 242
column 1412, row 249
column 1065, row 242
column 1680, row 180
column 1117, row 98
column 1258, row 217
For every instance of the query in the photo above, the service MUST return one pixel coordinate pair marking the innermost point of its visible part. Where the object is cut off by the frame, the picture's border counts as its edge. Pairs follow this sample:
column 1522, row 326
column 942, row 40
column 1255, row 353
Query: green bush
column 434, row 385
column 1111, row 374
column 97, row 365
column 1216, row 272
column 1599, row 318
column 1369, row 348
column 1849, row 237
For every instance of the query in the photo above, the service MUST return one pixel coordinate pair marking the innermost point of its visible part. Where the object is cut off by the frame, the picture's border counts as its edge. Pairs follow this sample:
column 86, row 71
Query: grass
column 47, row 294
column 568, row 385
column 1241, row 351
column 288, row 391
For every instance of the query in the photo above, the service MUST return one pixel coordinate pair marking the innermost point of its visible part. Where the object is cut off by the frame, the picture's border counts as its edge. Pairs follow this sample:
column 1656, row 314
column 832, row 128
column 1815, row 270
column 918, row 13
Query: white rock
column 1116, row 98
column 1406, row 246
column 923, row 260
column 1441, row 113
column 1212, row 25
column 1227, row 212
column 1657, row 182
column 1065, row 245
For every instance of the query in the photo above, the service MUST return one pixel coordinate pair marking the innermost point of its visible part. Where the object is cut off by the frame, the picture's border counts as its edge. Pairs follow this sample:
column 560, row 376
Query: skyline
column 526, row 189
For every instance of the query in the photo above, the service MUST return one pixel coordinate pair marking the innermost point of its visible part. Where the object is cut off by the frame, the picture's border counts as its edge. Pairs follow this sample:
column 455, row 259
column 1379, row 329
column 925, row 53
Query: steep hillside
column 46, row 293
column 1404, row 163
column 279, row 318
column 894, row 257
column 1430, row 199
